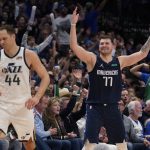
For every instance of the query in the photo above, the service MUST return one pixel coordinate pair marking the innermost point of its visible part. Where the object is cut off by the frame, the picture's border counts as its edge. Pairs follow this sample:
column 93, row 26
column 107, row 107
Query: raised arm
column 24, row 39
column 79, row 51
column 136, row 57
column 46, row 42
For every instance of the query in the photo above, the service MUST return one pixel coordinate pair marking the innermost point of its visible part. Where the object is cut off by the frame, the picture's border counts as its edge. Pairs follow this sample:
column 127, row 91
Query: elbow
column 131, row 70
column 73, row 46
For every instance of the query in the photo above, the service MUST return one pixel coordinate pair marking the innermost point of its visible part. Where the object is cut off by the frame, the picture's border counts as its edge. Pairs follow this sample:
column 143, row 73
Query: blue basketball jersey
column 105, row 82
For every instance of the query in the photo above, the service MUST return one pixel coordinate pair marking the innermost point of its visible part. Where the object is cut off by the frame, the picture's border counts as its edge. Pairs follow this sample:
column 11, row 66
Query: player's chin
column 105, row 52
column 1, row 46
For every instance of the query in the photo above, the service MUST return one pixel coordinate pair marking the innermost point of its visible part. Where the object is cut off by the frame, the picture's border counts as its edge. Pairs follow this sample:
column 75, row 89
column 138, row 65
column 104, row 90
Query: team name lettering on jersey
column 11, row 72
column 107, row 72
column 12, row 68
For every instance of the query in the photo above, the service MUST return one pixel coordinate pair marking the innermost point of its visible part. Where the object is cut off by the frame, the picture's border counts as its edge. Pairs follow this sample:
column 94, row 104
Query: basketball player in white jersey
column 16, row 102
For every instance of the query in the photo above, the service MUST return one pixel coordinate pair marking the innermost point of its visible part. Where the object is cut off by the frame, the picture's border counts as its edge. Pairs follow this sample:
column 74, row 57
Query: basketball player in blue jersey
column 16, row 102
column 104, row 87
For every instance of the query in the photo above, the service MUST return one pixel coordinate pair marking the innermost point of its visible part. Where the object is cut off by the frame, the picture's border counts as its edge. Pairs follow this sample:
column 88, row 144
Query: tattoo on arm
column 146, row 46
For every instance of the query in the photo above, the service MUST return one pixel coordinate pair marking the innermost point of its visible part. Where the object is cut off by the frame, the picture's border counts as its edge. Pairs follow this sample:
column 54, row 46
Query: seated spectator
column 135, row 111
column 52, row 118
column 41, row 144
column 136, row 139
column 43, row 137
column 70, row 122
column 131, row 138
column 145, row 113
column 10, row 140
column 4, row 144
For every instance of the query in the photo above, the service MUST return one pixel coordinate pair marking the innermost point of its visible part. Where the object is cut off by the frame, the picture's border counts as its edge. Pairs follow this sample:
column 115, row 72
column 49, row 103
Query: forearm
column 69, row 108
column 43, row 86
column 51, row 63
column 43, row 134
column 136, row 68
column 24, row 39
column 146, row 47
column 62, row 79
column 44, row 43
column 73, row 37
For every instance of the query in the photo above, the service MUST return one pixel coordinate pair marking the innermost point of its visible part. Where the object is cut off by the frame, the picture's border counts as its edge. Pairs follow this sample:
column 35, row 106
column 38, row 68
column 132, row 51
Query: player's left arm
column 135, row 57
column 36, row 65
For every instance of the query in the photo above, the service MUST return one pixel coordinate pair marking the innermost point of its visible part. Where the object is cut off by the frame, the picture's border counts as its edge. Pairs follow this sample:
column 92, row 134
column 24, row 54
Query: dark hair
column 8, row 28
column 31, row 37
column 107, row 36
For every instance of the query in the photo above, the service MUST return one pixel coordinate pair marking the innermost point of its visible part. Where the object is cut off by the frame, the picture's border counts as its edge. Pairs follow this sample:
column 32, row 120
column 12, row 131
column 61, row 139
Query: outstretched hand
column 75, row 16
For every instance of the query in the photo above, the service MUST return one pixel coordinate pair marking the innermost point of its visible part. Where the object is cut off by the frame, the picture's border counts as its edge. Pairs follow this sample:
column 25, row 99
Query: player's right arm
column 88, row 57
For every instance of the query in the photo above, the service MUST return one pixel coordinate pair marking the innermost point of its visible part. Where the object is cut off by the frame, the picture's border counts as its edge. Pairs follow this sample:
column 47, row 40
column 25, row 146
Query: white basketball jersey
column 14, row 78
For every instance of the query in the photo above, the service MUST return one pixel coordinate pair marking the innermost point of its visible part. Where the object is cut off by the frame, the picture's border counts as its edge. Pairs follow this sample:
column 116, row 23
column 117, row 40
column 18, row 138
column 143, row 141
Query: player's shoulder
column 29, row 53
column 30, row 56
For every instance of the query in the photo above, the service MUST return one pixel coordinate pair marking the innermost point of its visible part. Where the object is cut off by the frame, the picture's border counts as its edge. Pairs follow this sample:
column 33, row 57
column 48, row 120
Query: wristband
column 73, row 24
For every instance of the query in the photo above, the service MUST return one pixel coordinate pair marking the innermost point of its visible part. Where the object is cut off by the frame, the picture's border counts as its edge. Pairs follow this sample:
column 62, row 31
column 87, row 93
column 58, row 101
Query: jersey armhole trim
column 25, row 59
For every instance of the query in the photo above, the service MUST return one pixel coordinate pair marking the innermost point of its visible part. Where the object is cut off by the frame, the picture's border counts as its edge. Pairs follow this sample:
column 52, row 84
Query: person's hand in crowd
column 72, row 135
column 105, row 139
column 103, row 135
column 146, row 142
column 146, row 66
column 53, row 131
column 75, row 88
column 54, row 43
column 56, row 70
column 84, row 93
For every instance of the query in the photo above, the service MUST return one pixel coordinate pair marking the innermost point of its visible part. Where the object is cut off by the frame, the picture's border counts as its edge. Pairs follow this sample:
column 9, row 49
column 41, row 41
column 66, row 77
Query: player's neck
column 106, row 58
column 11, row 51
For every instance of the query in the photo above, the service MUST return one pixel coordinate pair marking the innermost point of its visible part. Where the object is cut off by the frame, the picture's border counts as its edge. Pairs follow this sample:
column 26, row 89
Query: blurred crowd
column 61, row 113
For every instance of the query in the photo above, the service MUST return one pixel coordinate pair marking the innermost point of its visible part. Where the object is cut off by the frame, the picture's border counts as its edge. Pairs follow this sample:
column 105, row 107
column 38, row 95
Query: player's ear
column 13, row 36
